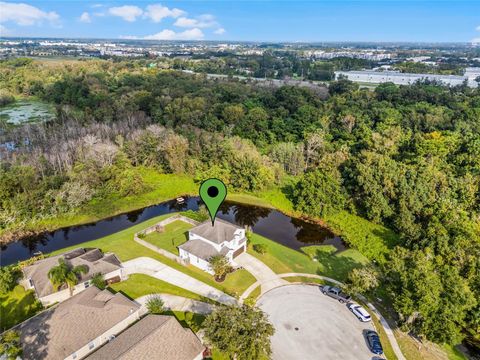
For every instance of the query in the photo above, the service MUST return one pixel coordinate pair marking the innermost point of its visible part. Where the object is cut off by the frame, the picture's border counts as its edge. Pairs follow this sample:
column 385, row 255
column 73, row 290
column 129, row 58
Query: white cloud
column 219, row 31
column 127, row 12
column 24, row 14
column 4, row 31
column 85, row 17
column 202, row 21
column 95, row 6
column 477, row 28
column 158, row 12
column 167, row 34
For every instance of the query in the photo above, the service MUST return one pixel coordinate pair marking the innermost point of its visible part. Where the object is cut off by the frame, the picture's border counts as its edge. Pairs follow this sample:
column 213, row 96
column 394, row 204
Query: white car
column 359, row 312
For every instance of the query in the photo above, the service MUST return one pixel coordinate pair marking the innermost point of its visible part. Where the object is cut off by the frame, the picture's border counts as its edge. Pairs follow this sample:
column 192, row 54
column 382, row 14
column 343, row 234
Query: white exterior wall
column 63, row 295
column 196, row 261
column 102, row 339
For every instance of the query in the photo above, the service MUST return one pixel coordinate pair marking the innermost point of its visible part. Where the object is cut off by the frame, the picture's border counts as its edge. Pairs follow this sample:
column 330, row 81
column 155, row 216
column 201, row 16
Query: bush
column 98, row 280
column 260, row 248
column 9, row 276
column 155, row 305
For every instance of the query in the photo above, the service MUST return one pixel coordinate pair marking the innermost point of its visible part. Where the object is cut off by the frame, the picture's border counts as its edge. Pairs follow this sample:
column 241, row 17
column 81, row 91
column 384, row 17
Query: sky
column 292, row 21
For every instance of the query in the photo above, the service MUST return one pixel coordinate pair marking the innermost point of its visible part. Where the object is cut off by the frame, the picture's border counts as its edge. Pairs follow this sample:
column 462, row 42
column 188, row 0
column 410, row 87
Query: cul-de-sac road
column 309, row 325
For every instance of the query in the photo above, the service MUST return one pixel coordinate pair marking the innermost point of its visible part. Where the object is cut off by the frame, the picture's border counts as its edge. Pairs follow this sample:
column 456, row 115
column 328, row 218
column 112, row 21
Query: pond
column 26, row 111
column 291, row 232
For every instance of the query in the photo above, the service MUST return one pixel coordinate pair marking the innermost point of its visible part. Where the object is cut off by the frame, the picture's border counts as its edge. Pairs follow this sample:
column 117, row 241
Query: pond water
column 24, row 111
column 270, row 223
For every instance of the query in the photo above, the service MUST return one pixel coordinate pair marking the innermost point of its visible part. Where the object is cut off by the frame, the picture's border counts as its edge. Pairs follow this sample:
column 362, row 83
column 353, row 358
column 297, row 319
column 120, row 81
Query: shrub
column 98, row 280
column 260, row 248
column 9, row 276
column 155, row 305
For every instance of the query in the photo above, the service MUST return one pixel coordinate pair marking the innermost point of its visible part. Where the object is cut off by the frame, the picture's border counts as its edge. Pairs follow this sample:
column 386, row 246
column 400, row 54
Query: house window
column 91, row 345
column 86, row 284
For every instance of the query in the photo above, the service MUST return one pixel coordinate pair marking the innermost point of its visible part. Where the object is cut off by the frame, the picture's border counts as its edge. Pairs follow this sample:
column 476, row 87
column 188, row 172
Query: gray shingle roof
column 153, row 337
column 94, row 259
column 63, row 329
column 201, row 249
column 221, row 232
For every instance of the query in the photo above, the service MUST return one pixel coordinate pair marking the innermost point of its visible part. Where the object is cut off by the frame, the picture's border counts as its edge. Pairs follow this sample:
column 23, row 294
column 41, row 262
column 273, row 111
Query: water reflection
column 270, row 223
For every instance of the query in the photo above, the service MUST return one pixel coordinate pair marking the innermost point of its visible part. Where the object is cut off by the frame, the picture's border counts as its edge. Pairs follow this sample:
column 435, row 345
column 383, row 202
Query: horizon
column 262, row 21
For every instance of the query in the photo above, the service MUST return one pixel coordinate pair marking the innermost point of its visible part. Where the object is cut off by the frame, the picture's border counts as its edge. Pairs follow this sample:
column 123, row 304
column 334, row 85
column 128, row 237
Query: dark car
column 335, row 293
column 373, row 341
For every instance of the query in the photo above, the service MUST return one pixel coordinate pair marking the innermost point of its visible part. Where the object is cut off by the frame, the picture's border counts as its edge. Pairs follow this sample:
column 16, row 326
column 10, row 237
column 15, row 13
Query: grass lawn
column 282, row 259
column 17, row 306
column 175, row 233
column 387, row 347
column 123, row 245
column 304, row 279
column 139, row 285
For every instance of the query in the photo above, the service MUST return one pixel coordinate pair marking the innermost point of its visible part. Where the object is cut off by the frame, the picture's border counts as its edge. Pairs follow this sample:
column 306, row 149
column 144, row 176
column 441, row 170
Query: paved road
column 156, row 269
column 309, row 325
column 267, row 279
column 179, row 303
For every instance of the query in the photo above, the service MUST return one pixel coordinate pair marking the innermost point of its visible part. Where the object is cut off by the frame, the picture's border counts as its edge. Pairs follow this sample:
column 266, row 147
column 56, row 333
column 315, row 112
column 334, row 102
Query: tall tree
column 63, row 273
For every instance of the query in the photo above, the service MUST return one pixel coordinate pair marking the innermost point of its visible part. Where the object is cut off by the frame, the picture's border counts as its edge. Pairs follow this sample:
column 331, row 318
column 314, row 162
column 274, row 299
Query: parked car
column 359, row 312
column 335, row 293
column 373, row 341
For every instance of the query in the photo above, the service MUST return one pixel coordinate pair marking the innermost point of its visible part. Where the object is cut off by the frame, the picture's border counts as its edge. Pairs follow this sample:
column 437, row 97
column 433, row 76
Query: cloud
column 96, row 6
column 167, row 34
column 477, row 28
column 127, row 12
column 219, row 31
column 85, row 17
column 158, row 12
column 25, row 15
column 4, row 31
column 202, row 21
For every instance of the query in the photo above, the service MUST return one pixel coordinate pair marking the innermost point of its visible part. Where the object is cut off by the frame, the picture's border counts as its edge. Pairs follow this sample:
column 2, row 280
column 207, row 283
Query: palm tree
column 64, row 274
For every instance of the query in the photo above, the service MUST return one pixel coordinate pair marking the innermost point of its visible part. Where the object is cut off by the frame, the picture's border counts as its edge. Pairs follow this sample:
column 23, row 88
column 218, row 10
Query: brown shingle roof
column 154, row 337
column 222, row 231
column 65, row 328
column 94, row 259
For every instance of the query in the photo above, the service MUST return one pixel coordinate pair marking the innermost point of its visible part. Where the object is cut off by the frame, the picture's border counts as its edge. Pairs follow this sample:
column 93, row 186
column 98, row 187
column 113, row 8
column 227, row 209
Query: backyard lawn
column 139, row 285
column 17, row 306
column 174, row 234
column 123, row 245
column 282, row 259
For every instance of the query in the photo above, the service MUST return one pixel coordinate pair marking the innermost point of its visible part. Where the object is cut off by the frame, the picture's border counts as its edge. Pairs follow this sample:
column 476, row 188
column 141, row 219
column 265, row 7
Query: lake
column 273, row 224
column 26, row 111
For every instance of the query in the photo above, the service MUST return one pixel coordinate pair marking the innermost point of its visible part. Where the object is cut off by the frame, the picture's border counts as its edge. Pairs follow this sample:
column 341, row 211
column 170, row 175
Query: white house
column 36, row 275
column 205, row 241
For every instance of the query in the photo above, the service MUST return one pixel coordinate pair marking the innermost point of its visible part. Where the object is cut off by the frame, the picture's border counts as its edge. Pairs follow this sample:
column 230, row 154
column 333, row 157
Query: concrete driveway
column 310, row 325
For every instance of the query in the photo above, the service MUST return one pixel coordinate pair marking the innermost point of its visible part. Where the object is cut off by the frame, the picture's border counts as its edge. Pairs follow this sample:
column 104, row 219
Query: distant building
column 472, row 73
column 76, row 327
column 153, row 337
column 206, row 241
column 36, row 275
column 378, row 77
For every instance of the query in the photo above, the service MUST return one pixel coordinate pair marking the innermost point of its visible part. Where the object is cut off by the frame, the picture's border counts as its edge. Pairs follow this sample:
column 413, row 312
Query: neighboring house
column 76, row 327
column 154, row 337
column 206, row 241
column 36, row 275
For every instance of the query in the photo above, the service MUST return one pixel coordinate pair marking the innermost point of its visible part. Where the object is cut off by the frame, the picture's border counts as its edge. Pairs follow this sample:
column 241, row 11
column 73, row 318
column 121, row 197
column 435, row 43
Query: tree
column 221, row 267
column 9, row 276
column 243, row 332
column 98, row 280
column 361, row 280
column 63, row 273
column 10, row 344
column 155, row 305
column 319, row 193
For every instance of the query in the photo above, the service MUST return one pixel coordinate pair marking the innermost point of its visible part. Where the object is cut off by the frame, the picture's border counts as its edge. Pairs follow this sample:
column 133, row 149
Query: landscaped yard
column 123, row 245
column 174, row 234
column 139, row 285
column 282, row 259
column 16, row 306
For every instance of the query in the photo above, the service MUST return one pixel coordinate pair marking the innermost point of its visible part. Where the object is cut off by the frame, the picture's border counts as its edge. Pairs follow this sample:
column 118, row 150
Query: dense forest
column 407, row 157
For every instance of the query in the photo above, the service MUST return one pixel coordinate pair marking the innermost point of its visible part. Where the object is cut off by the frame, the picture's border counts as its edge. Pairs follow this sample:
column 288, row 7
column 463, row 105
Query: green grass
column 138, row 285
column 282, row 259
column 123, row 245
column 453, row 353
column 174, row 234
column 304, row 279
column 188, row 319
column 17, row 306
column 387, row 347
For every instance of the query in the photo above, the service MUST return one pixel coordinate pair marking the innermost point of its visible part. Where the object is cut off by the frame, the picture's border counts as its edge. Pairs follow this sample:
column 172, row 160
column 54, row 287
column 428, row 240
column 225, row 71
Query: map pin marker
column 213, row 192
